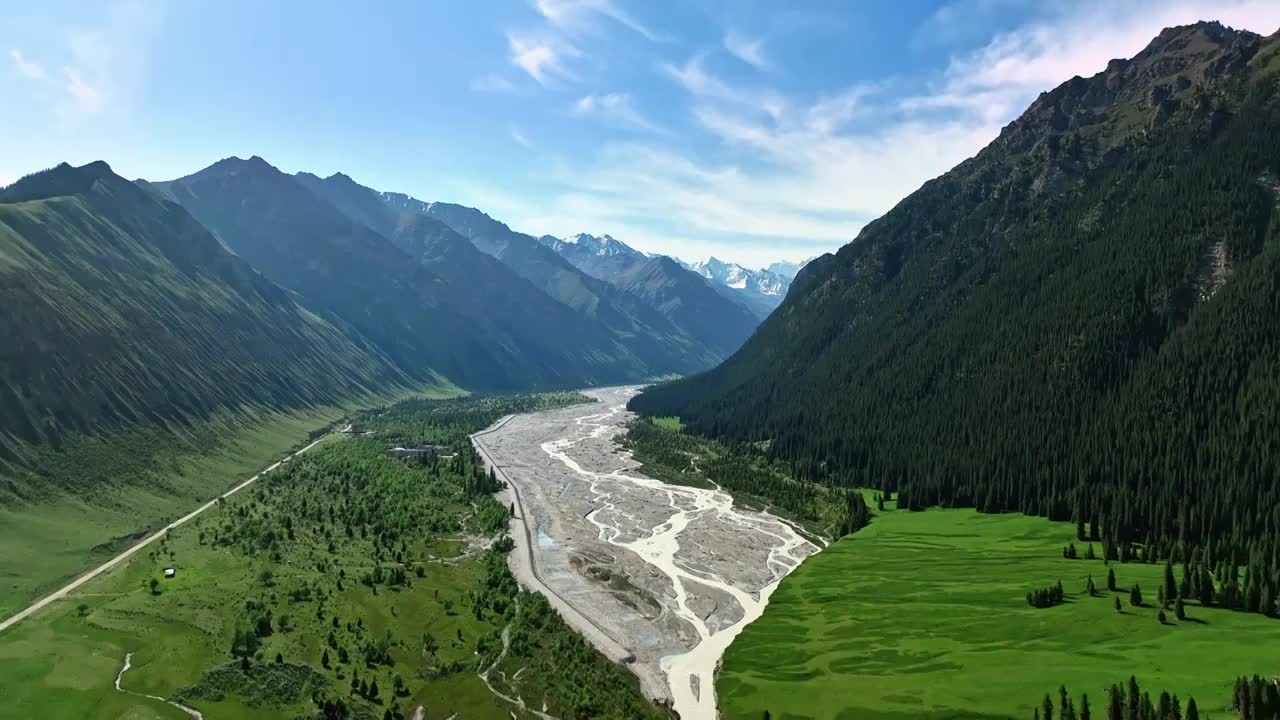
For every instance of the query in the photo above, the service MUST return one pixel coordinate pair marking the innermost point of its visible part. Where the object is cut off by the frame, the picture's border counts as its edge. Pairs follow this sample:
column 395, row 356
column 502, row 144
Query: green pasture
column 923, row 615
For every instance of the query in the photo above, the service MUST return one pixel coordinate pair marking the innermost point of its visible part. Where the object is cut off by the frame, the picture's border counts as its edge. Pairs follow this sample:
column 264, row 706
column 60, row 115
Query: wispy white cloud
column 82, row 97
column 543, row 56
column 792, row 175
column 102, row 64
column 615, row 109
column 582, row 16
column 705, row 86
column 521, row 139
column 493, row 83
column 26, row 68
column 748, row 50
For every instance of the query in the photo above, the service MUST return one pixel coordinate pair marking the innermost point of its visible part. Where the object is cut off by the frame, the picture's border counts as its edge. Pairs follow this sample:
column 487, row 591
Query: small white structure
column 422, row 452
column 170, row 572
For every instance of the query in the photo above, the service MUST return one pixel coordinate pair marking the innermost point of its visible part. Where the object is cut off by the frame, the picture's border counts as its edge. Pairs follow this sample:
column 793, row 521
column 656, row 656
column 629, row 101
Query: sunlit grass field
column 46, row 542
column 62, row 662
column 923, row 615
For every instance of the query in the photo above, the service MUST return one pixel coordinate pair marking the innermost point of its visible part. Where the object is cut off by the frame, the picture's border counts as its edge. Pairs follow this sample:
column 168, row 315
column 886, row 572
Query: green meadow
column 63, row 662
column 94, row 497
column 924, row 615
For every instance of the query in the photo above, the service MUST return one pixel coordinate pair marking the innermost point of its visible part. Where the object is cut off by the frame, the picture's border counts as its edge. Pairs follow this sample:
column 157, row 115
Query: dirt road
column 36, row 606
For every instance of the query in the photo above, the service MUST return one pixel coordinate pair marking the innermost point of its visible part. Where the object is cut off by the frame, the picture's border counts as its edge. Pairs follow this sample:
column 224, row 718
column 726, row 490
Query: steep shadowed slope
column 342, row 267
column 648, row 333
column 690, row 302
column 552, row 336
column 1081, row 321
column 127, row 312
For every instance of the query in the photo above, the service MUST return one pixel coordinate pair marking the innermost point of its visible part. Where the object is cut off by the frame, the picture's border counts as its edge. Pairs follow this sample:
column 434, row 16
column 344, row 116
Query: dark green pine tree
column 1193, row 712
column 1111, row 579
column 1134, row 697
column 1170, row 586
column 1085, row 713
column 1066, row 709
column 1046, row 707
column 1135, row 596
column 1115, row 702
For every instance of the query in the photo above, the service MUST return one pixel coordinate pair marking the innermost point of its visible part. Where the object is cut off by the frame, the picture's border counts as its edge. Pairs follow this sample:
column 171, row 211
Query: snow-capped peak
column 601, row 245
column 733, row 275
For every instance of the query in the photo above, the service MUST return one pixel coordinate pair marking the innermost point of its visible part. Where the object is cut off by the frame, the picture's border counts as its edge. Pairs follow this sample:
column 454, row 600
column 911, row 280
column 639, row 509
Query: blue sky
column 752, row 131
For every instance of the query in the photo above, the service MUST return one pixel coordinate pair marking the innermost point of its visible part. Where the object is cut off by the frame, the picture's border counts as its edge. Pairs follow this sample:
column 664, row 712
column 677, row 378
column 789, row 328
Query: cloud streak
column 543, row 57
column 582, row 16
column 26, row 68
column 748, row 50
column 520, row 139
column 493, row 83
column 616, row 110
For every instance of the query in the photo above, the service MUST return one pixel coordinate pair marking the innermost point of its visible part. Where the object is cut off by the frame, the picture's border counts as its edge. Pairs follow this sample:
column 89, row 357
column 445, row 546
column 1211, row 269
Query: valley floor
column 923, row 615
column 344, row 584
column 670, row 573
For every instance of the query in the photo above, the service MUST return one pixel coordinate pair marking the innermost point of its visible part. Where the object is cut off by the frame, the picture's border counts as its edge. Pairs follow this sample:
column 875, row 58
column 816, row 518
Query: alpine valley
column 283, row 445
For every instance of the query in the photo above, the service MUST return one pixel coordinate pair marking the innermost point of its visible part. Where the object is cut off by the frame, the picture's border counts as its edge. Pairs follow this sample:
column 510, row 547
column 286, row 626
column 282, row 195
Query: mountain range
column 607, row 258
column 162, row 304
column 132, row 313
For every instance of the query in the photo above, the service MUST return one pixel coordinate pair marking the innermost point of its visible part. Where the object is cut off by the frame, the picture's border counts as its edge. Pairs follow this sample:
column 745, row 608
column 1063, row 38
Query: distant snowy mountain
column 608, row 258
column 605, row 245
column 787, row 270
column 759, row 290
column 603, row 257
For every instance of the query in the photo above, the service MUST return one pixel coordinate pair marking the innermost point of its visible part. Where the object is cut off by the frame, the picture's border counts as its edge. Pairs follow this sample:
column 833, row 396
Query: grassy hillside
column 343, row 565
column 124, row 485
column 923, row 615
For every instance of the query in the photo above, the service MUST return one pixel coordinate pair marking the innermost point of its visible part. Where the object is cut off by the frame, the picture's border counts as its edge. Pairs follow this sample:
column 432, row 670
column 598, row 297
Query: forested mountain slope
column 124, row 311
column 1082, row 321
column 345, row 269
